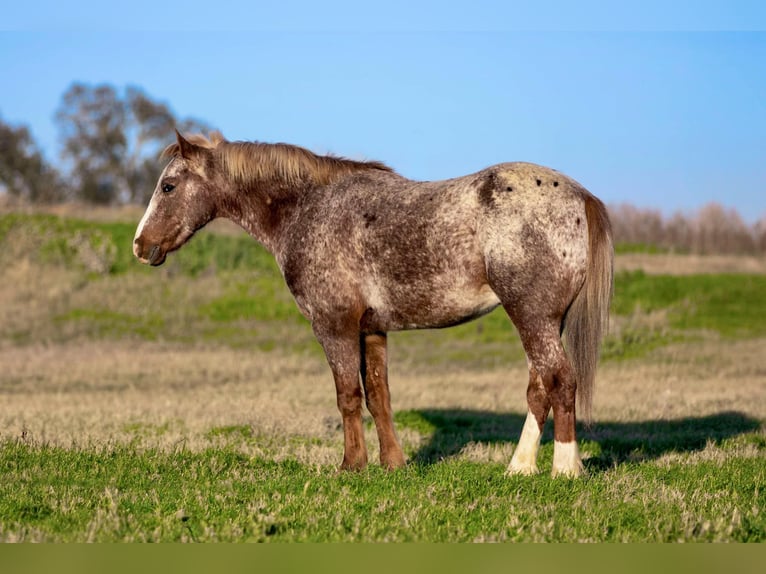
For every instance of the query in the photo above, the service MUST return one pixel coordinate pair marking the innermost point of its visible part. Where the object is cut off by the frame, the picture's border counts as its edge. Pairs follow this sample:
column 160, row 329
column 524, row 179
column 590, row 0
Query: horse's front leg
column 374, row 369
column 342, row 351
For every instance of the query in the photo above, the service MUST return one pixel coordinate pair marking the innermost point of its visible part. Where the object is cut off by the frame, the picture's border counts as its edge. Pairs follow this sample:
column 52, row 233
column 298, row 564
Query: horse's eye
column 168, row 187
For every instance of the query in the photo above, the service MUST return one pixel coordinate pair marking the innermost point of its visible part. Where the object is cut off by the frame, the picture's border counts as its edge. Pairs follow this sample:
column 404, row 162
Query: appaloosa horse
column 365, row 251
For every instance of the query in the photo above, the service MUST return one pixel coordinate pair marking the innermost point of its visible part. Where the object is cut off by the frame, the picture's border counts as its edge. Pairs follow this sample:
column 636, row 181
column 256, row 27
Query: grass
column 106, row 323
column 262, row 298
column 191, row 403
column 72, row 242
column 732, row 305
column 122, row 494
column 625, row 248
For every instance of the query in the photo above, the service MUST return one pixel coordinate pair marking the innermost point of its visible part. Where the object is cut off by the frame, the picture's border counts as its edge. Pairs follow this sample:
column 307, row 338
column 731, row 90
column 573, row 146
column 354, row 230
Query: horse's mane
column 256, row 161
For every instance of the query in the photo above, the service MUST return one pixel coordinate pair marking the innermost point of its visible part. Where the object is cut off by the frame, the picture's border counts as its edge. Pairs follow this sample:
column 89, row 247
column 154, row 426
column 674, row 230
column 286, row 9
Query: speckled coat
column 365, row 251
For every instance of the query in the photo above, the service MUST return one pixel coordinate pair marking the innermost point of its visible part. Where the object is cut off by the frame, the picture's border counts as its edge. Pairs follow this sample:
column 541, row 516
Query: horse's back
column 423, row 254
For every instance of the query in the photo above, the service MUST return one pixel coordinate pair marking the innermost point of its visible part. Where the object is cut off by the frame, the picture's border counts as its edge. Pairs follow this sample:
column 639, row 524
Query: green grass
column 732, row 305
column 626, row 248
column 263, row 298
column 53, row 240
column 120, row 493
column 231, row 431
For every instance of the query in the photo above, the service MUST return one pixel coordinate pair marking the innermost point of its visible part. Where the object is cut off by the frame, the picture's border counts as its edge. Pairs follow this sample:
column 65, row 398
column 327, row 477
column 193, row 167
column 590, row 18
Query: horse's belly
column 406, row 308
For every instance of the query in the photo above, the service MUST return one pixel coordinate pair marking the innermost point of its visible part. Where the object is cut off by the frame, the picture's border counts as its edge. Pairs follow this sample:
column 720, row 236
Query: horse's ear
column 188, row 149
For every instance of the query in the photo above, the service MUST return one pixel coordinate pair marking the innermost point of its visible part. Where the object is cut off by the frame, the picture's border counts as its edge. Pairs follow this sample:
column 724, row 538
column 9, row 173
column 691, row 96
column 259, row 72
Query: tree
column 24, row 173
column 92, row 122
column 112, row 140
column 759, row 232
column 679, row 233
column 722, row 231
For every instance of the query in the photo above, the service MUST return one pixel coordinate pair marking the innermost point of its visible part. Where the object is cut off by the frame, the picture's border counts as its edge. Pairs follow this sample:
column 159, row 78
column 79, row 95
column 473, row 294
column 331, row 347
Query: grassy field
column 191, row 403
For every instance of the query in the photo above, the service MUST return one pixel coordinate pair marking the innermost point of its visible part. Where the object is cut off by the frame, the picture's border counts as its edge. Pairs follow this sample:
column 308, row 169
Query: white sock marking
column 524, row 460
column 566, row 459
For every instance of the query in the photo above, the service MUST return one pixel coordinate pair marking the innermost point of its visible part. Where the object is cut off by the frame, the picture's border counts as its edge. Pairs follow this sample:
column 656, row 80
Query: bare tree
column 112, row 140
column 722, row 231
column 92, row 126
column 713, row 229
column 679, row 233
column 635, row 225
column 759, row 231
column 24, row 173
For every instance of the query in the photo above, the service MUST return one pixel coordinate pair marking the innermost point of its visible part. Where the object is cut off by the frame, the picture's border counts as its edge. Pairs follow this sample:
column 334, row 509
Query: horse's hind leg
column 552, row 383
column 374, row 370
column 524, row 460
column 536, row 294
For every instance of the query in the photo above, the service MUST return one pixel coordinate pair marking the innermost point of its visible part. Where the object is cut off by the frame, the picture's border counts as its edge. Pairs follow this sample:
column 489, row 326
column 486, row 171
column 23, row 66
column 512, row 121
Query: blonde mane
column 250, row 162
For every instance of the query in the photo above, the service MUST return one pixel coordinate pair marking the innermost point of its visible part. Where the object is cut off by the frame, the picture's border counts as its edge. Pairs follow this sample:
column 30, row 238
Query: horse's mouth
column 156, row 256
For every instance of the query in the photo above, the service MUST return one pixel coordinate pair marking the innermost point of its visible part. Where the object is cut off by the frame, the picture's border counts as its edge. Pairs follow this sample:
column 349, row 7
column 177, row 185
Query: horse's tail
column 588, row 317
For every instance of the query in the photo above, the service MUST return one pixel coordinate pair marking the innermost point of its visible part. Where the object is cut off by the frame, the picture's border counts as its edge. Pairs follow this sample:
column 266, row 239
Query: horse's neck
column 264, row 215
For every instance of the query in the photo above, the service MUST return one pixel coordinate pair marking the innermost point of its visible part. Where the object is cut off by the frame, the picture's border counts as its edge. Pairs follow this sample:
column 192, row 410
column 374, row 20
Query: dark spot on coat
column 369, row 218
column 539, row 182
column 509, row 188
column 577, row 221
column 555, row 184
column 486, row 191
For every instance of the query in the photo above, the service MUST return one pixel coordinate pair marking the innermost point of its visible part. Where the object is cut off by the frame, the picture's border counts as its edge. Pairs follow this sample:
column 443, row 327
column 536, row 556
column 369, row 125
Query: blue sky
column 666, row 108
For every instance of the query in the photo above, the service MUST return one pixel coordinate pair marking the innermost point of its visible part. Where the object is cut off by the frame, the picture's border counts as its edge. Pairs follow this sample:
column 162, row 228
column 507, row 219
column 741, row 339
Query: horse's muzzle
column 153, row 255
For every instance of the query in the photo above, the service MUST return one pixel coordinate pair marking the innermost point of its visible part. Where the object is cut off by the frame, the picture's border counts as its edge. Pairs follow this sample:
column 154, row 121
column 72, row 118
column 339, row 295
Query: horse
column 365, row 251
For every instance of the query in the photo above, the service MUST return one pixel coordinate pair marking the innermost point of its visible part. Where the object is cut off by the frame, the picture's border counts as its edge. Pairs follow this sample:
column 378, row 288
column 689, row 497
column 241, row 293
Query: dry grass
column 686, row 380
column 104, row 392
column 76, row 210
column 676, row 264
column 164, row 395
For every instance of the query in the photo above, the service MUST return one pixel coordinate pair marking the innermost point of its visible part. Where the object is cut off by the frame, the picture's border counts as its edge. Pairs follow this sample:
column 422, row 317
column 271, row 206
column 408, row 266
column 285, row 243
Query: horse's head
column 183, row 202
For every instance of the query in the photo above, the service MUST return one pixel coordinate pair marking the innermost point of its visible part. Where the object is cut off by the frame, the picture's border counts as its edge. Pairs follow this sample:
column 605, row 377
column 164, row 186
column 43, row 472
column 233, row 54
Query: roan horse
column 365, row 251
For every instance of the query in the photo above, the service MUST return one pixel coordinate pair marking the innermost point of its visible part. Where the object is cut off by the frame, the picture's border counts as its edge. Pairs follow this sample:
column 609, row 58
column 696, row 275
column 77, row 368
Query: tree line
column 711, row 229
column 111, row 139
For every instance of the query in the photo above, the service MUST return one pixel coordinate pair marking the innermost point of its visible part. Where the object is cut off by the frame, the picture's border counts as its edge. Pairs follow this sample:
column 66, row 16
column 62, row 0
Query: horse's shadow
column 617, row 442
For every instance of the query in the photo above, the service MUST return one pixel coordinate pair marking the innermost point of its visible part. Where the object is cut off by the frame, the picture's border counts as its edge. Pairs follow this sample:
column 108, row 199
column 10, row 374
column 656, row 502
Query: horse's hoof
column 393, row 462
column 567, row 473
column 355, row 466
column 519, row 470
